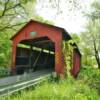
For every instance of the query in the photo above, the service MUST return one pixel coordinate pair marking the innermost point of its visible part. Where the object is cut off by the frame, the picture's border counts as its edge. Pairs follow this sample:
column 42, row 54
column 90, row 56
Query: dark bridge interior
column 36, row 54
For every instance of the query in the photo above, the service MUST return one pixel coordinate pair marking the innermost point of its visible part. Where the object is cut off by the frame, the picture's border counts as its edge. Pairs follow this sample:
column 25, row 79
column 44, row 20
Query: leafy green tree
column 91, row 36
column 14, row 13
column 76, row 38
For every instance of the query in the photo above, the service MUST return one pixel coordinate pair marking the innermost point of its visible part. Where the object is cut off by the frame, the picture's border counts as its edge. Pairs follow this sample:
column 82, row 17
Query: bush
column 90, row 76
column 4, row 72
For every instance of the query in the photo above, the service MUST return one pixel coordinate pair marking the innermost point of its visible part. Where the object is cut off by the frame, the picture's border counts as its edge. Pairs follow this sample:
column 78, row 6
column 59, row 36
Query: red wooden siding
column 76, row 62
column 54, row 34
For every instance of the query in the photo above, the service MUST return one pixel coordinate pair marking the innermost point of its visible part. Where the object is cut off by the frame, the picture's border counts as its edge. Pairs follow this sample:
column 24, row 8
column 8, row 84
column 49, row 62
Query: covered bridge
column 41, row 49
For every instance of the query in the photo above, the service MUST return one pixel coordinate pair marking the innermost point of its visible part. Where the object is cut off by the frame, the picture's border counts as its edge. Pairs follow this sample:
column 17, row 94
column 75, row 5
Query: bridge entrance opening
column 34, row 55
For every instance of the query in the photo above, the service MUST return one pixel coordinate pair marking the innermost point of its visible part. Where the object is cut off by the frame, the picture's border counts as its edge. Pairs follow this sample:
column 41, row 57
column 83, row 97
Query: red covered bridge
column 41, row 49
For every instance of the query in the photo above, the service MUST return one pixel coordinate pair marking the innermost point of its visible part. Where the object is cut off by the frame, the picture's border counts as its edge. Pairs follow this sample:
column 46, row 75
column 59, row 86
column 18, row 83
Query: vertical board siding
column 76, row 63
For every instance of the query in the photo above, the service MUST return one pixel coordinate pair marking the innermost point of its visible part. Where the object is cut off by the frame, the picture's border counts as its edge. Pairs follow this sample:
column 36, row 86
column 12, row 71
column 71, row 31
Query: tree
column 76, row 38
column 91, row 36
column 13, row 13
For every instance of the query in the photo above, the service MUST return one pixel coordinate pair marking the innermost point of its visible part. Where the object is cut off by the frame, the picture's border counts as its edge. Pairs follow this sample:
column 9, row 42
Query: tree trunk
column 96, row 54
column 97, row 58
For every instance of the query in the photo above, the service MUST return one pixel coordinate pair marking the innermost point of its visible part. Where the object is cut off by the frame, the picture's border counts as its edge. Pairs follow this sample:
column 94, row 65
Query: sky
column 72, row 21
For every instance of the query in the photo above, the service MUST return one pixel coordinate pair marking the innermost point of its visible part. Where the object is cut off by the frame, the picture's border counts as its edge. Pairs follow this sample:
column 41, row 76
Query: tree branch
column 6, row 27
column 96, row 52
column 13, row 6
column 5, row 7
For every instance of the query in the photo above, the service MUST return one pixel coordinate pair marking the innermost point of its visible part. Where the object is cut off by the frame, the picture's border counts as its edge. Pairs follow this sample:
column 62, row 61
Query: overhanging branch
column 11, row 26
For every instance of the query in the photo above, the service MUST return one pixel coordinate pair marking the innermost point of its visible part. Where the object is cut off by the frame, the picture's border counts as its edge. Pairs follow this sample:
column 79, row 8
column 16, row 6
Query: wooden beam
column 43, row 41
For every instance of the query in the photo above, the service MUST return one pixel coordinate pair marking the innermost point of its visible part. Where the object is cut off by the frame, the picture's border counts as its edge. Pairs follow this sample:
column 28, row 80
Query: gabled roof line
column 63, row 30
column 52, row 26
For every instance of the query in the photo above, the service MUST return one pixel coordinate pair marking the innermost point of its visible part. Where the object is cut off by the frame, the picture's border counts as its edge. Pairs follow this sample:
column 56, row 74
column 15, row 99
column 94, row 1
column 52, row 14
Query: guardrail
column 32, row 79
column 16, row 87
column 6, row 81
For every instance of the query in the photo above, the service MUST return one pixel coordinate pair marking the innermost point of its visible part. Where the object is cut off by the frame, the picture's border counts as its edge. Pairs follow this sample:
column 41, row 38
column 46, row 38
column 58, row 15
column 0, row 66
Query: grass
column 70, row 89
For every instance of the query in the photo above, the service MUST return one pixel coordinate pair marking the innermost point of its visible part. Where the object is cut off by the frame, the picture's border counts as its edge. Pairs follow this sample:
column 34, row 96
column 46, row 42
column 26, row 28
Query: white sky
column 72, row 21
